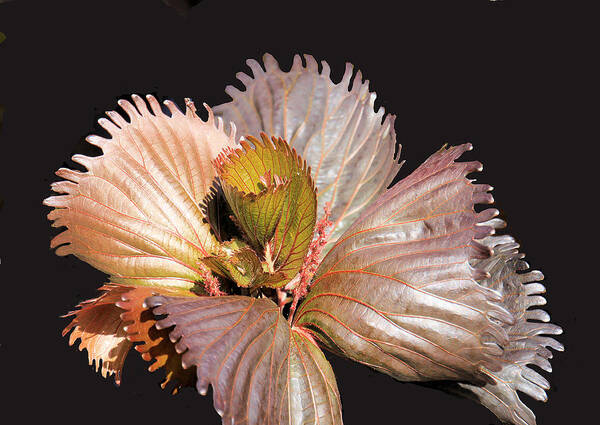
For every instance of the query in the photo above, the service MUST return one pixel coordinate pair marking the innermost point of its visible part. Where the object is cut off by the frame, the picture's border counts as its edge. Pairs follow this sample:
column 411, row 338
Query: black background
column 510, row 77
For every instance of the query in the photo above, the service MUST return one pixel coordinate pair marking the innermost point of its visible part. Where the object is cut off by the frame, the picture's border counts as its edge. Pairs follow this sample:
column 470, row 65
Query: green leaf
column 273, row 198
column 238, row 262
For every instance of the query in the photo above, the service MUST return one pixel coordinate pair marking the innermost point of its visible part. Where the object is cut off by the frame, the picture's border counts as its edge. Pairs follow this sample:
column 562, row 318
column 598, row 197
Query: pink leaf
column 135, row 213
column 419, row 289
column 261, row 370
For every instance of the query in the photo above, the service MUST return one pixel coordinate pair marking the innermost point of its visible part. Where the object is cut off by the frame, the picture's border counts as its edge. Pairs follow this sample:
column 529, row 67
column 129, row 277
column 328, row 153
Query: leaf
column 272, row 195
column 240, row 264
column 520, row 290
column 98, row 325
column 135, row 213
column 396, row 292
column 311, row 383
column 109, row 324
column 334, row 127
column 155, row 345
column 261, row 371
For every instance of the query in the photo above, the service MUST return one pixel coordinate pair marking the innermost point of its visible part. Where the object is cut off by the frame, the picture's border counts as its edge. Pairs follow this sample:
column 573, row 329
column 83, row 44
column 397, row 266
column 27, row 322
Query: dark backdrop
column 510, row 77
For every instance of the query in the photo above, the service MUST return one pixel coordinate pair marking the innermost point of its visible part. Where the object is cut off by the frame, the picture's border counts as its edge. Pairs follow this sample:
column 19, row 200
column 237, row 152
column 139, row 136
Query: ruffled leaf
column 272, row 195
column 396, row 292
column 509, row 275
column 155, row 345
column 135, row 213
column 97, row 323
column 110, row 324
column 261, row 371
column 349, row 146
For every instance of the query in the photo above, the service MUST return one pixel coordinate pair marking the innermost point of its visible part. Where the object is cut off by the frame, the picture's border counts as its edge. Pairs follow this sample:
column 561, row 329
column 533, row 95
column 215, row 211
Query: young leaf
column 135, row 213
column 240, row 264
column 349, row 146
column 261, row 371
column 272, row 195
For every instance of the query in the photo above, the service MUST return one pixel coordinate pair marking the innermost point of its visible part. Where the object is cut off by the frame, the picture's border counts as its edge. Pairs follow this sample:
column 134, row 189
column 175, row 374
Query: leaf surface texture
column 261, row 370
column 135, row 213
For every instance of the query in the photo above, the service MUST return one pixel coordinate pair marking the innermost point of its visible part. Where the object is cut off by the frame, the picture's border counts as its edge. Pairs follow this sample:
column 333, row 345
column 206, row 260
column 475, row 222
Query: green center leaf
column 235, row 260
column 273, row 198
